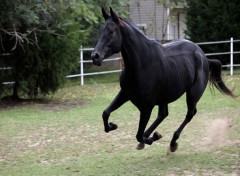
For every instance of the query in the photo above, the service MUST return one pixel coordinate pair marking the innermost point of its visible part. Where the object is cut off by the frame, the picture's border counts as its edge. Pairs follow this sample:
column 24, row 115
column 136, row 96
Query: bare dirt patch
column 217, row 133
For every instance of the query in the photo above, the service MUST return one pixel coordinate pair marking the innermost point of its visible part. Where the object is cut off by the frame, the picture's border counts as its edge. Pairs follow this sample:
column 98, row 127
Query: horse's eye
column 111, row 31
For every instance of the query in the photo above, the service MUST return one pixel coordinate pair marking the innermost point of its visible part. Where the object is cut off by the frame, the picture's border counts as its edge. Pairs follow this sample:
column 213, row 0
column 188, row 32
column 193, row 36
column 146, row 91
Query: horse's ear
column 105, row 14
column 115, row 17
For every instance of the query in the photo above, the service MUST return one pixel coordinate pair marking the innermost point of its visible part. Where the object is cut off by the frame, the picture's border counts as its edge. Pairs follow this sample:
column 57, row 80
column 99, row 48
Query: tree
column 43, row 38
column 213, row 20
column 120, row 6
column 21, row 25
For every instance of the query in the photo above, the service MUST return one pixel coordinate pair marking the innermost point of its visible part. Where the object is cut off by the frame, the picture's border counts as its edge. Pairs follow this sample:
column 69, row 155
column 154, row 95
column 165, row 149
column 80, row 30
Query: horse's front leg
column 162, row 113
column 119, row 100
column 144, row 118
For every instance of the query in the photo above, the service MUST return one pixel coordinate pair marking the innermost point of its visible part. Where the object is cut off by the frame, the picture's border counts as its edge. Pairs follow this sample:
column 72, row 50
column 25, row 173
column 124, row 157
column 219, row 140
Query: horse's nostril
column 96, row 56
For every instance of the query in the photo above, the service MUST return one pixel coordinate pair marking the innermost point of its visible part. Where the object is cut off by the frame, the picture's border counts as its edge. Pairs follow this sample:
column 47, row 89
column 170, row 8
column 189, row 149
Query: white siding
column 143, row 13
column 177, row 24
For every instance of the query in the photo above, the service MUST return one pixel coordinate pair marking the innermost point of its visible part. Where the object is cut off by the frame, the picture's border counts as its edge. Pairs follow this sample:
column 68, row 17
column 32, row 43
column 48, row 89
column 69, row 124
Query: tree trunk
column 15, row 91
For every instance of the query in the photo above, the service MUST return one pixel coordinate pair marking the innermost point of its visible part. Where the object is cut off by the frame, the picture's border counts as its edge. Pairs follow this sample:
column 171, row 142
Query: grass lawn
column 63, row 135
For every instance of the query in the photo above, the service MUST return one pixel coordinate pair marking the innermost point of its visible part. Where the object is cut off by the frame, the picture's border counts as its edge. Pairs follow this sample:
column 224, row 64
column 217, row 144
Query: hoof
column 169, row 151
column 157, row 136
column 174, row 148
column 112, row 126
column 140, row 146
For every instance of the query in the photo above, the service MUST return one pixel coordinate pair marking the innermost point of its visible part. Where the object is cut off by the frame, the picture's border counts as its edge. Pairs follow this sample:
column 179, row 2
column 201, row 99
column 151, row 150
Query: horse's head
column 110, row 39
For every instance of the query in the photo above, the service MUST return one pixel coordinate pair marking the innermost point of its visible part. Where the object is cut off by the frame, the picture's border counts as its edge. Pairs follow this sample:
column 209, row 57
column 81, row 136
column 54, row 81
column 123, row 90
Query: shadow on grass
column 44, row 104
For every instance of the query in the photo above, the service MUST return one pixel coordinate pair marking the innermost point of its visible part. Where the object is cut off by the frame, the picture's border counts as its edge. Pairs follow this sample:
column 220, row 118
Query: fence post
column 81, row 65
column 121, row 62
column 231, row 57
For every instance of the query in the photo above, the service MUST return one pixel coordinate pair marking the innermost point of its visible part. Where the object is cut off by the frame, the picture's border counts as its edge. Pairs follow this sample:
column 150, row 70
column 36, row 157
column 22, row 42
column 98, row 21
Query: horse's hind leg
column 193, row 96
column 191, row 112
column 119, row 100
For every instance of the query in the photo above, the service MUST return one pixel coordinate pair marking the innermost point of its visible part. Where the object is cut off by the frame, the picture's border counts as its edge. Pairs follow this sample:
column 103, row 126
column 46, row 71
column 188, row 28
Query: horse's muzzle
column 96, row 59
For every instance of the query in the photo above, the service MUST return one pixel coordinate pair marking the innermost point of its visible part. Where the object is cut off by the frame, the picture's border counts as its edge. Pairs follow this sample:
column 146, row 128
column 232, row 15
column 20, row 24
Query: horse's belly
column 173, row 97
column 171, row 93
column 140, row 97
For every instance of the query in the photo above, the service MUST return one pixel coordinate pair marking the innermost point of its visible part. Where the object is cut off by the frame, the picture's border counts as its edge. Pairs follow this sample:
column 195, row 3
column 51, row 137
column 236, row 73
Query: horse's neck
column 133, row 45
column 135, row 50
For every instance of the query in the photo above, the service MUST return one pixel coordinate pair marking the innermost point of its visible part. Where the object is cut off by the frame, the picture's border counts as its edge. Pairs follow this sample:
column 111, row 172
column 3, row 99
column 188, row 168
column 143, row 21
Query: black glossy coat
column 154, row 74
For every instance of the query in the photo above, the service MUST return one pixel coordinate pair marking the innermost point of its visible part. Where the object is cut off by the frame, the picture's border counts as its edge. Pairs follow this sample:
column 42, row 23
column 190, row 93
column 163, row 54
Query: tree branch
column 21, row 38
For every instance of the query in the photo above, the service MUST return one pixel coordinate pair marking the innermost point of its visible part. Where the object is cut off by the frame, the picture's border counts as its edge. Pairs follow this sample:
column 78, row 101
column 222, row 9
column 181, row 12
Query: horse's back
column 177, row 47
column 184, row 53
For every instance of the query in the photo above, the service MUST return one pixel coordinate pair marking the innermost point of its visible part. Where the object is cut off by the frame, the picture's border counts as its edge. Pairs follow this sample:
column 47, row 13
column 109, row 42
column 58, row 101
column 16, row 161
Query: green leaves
column 44, row 37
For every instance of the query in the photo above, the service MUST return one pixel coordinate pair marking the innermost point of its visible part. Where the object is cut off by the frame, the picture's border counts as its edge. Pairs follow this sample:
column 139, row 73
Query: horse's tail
column 215, row 78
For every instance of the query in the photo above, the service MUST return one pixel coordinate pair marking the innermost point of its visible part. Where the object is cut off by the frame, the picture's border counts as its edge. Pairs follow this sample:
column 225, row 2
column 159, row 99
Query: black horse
column 155, row 74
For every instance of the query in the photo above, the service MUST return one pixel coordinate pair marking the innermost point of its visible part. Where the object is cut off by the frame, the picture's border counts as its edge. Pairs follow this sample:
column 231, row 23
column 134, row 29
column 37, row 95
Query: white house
column 163, row 21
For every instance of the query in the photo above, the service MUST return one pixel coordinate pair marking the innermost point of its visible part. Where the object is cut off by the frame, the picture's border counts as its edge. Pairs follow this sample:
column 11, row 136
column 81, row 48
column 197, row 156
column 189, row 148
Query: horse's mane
column 132, row 25
column 137, row 29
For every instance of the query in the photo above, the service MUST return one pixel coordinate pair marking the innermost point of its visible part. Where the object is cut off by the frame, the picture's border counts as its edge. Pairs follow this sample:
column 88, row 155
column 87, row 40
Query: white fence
column 82, row 61
column 231, row 52
column 82, row 74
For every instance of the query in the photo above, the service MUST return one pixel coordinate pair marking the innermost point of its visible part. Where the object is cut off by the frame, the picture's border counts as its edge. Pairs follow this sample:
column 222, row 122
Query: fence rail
column 82, row 74
column 82, row 61
column 217, row 42
column 231, row 52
